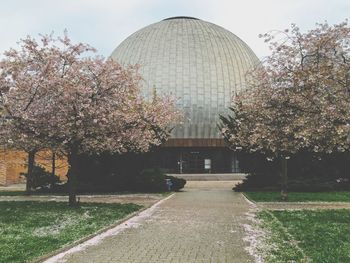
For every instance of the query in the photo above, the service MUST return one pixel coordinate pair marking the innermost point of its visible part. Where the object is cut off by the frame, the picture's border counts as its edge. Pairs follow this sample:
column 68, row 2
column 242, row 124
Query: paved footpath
column 201, row 224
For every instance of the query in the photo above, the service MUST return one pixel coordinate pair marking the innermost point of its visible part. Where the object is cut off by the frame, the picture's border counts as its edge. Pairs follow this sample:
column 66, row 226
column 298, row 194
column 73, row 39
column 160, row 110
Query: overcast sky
column 105, row 23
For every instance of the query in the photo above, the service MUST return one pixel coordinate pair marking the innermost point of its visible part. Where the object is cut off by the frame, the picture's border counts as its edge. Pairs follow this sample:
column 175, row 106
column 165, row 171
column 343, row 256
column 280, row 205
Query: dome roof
column 200, row 63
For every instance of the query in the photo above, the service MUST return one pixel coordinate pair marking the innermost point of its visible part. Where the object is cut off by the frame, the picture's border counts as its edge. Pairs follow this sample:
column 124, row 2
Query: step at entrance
column 211, row 177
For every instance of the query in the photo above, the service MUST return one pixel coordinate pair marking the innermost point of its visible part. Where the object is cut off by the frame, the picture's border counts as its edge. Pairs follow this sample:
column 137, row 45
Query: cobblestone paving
column 198, row 225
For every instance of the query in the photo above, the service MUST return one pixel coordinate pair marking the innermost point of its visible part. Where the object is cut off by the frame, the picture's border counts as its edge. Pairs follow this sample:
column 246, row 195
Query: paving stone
column 199, row 225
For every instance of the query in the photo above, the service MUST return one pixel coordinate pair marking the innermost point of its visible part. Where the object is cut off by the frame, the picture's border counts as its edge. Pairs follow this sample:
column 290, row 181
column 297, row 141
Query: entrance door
column 192, row 162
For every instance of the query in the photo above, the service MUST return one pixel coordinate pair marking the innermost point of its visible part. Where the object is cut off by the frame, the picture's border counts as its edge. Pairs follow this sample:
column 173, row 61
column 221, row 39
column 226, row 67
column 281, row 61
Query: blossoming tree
column 298, row 99
column 52, row 92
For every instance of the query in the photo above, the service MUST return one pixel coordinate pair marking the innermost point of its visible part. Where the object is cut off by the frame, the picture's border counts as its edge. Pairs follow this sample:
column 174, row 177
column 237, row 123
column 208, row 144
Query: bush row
column 306, row 172
column 107, row 173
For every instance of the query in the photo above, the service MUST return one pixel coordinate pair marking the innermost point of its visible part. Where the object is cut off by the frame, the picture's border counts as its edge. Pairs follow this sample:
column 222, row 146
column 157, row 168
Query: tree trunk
column 284, row 179
column 53, row 164
column 31, row 162
column 72, row 177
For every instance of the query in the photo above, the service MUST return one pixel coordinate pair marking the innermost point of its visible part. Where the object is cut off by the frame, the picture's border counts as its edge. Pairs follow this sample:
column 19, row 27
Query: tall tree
column 298, row 98
column 54, row 93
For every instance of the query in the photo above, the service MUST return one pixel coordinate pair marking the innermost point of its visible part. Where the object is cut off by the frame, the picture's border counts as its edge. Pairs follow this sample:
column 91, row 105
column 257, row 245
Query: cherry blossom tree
column 54, row 94
column 298, row 99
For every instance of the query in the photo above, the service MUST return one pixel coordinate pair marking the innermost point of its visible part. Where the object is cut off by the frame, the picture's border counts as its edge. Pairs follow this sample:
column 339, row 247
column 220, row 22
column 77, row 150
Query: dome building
column 203, row 66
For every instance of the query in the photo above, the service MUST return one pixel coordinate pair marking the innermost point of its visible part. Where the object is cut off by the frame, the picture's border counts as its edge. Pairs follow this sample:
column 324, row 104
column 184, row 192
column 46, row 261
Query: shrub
column 306, row 172
column 151, row 180
column 178, row 183
column 116, row 173
column 42, row 178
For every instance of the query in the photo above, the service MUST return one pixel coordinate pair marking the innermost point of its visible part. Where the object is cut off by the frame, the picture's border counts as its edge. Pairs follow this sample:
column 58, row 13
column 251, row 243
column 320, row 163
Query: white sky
column 105, row 23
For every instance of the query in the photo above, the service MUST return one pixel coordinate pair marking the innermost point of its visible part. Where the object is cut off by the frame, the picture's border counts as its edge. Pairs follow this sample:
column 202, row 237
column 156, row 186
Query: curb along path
column 197, row 225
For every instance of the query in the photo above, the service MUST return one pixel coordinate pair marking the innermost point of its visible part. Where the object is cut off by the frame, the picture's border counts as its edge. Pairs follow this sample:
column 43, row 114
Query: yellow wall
column 12, row 163
column 2, row 172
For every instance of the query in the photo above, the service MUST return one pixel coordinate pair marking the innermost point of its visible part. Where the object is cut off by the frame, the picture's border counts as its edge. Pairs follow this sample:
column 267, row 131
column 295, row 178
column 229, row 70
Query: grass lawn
column 12, row 193
column 308, row 235
column 300, row 196
column 31, row 229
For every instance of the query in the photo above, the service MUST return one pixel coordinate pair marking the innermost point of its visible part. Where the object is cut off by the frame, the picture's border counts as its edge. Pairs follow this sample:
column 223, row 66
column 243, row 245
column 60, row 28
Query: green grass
column 32, row 229
column 300, row 196
column 12, row 193
column 321, row 236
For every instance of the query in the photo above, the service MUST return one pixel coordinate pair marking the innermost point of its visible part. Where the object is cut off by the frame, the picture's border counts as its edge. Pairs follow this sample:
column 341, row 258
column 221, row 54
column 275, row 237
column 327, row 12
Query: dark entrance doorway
column 196, row 160
column 192, row 162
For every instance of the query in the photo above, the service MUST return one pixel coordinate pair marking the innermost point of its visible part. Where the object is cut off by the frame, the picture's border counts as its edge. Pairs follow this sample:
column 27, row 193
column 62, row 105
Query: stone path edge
column 249, row 201
column 65, row 248
column 306, row 203
column 262, row 204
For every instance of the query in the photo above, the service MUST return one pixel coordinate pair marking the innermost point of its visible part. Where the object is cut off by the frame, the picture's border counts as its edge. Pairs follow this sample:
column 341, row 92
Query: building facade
column 203, row 66
column 199, row 63
column 13, row 163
